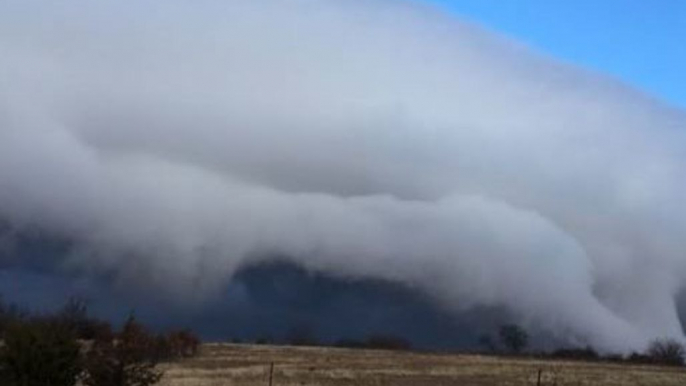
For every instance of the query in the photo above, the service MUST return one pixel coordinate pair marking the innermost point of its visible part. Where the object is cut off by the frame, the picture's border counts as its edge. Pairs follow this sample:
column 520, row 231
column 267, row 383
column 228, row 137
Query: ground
column 229, row 364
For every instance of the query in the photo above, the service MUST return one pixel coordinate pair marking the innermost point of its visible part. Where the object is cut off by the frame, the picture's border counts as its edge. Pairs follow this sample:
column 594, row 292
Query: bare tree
column 514, row 337
column 183, row 343
column 666, row 351
column 123, row 359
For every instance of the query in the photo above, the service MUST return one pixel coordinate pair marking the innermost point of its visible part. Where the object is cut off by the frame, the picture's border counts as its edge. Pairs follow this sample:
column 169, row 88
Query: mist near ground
column 166, row 146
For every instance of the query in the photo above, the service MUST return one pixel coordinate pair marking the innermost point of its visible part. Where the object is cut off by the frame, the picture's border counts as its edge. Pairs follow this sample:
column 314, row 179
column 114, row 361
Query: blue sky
column 642, row 42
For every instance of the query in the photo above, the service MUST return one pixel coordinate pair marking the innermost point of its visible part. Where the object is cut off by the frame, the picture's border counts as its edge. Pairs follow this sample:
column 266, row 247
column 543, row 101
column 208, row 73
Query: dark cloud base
column 266, row 300
column 272, row 300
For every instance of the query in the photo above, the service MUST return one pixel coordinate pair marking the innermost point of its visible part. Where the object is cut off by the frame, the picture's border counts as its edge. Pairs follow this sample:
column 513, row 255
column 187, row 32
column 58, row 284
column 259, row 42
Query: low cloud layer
column 175, row 143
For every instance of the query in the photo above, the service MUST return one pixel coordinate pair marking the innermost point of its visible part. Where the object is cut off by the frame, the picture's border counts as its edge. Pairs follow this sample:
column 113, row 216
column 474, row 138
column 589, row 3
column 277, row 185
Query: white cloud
column 179, row 141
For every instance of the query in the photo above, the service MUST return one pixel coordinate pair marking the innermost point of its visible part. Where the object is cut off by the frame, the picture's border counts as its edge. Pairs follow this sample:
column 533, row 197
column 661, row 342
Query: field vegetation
column 243, row 365
column 69, row 348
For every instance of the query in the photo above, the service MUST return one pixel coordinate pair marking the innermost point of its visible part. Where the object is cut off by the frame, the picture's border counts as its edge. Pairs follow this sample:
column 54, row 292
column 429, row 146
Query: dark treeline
column 513, row 340
column 374, row 341
column 377, row 341
column 664, row 352
column 69, row 346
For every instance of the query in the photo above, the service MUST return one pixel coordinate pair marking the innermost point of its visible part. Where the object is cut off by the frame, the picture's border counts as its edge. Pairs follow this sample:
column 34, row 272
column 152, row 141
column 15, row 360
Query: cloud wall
column 177, row 142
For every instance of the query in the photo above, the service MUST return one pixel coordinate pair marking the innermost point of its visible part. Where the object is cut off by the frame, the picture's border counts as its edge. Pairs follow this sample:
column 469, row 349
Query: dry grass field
column 228, row 364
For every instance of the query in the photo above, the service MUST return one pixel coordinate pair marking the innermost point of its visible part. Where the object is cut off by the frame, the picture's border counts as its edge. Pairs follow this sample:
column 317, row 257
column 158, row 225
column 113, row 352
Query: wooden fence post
column 271, row 373
column 538, row 382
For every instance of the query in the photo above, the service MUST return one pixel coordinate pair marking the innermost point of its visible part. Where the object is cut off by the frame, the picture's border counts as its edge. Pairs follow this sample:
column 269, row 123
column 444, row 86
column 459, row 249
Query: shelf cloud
column 174, row 142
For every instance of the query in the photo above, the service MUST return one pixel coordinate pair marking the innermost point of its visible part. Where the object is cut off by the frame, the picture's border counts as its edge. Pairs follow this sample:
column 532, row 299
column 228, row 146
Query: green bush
column 39, row 353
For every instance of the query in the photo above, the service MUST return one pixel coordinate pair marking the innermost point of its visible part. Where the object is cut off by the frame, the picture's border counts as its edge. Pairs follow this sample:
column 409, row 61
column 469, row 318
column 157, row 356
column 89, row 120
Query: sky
column 640, row 42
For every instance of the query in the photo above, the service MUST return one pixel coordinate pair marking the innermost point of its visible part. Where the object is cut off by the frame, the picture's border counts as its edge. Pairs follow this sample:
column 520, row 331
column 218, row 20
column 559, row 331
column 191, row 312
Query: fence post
column 538, row 381
column 271, row 373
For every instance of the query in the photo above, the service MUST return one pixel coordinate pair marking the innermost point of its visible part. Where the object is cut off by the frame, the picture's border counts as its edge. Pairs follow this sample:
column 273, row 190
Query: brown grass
column 228, row 364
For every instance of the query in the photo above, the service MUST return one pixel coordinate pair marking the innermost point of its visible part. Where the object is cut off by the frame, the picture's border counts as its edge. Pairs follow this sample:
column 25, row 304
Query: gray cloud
column 179, row 142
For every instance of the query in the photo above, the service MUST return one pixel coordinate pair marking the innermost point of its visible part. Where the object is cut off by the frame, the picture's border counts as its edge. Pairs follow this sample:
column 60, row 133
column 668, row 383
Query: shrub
column 587, row 353
column 183, row 343
column 39, row 353
column 74, row 315
column 161, row 350
column 514, row 337
column 613, row 357
column 388, row 342
column 123, row 359
column 301, row 335
column 9, row 315
column 349, row 343
column 264, row 340
column 639, row 358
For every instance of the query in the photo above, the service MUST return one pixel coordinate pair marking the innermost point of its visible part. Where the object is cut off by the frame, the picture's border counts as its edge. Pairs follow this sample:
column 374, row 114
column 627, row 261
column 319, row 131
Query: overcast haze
column 174, row 143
